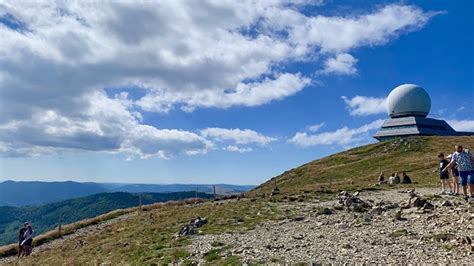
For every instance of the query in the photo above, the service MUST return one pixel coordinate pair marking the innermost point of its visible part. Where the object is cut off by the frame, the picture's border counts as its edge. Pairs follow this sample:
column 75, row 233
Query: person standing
column 454, row 176
column 464, row 160
column 443, row 174
column 21, row 237
column 381, row 179
column 27, row 243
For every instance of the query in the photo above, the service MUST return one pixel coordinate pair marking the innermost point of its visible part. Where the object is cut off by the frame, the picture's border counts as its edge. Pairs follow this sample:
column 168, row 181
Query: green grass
column 358, row 168
column 150, row 236
column 212, row 255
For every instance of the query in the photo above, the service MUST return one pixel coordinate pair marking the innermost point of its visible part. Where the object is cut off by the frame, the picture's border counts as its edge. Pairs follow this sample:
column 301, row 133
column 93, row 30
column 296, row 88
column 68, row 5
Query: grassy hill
column 359, row 167
column 46, row 217
column 149, row 237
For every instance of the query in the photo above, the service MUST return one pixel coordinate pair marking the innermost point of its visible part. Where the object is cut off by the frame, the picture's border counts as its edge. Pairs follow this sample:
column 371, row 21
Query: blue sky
column 216, row 92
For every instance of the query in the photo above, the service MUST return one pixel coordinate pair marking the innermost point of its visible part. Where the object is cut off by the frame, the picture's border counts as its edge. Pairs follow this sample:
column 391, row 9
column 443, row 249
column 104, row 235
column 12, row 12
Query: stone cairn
column 190, row 228
column 351, row 202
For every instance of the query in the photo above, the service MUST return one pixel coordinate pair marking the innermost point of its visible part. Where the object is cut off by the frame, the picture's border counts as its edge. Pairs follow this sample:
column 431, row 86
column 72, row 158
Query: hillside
column 46, row 217
column 359, row 167
column 393, row 224
column 25, row 193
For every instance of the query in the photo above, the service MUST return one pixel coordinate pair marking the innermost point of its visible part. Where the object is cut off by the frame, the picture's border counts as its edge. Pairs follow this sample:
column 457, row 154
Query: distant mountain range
column 17, row 194
column 46, row 217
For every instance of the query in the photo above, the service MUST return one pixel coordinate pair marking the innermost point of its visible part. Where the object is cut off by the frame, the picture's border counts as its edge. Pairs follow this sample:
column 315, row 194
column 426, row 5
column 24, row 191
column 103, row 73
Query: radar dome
column 408, row 100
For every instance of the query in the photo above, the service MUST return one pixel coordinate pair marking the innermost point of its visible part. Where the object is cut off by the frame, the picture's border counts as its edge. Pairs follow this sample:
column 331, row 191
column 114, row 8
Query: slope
column 359, row 167
column 46, row 217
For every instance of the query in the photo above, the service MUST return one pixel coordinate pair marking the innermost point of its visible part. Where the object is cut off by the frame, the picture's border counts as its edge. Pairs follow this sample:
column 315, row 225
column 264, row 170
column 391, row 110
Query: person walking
column 464, row 160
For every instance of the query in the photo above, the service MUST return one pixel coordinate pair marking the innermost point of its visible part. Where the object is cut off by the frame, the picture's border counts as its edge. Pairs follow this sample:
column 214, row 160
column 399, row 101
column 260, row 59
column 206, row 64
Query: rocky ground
column 398, row 226
column 373, row 227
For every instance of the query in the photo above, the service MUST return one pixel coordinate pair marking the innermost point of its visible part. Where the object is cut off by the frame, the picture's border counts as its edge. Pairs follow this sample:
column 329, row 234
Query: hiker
column 443, row 174
column 454, row 176
column 21, row 237
column 406, row 179
column 464, row 161
column 28, row 240
column 381, row 179
column 394, row 179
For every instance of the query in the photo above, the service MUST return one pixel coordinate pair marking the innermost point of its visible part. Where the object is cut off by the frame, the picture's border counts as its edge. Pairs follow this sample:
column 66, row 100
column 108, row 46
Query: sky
column 216, row 91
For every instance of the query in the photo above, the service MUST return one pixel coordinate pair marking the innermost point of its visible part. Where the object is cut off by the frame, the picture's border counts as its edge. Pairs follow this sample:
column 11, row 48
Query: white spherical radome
column 408, row 100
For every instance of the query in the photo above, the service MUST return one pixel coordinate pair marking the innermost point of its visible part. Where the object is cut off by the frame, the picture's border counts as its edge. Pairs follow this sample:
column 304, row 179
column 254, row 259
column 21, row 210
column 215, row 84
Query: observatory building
column 408, row 106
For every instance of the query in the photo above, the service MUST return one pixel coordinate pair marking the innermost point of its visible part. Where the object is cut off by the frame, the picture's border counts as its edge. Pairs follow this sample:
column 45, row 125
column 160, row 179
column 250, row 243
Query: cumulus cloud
column 341, row 64
column 57, row 60
column 236, row 135
column 344, row 136
column 362, row 105
column 462, row 125
column 106, row 125
column 233, row 148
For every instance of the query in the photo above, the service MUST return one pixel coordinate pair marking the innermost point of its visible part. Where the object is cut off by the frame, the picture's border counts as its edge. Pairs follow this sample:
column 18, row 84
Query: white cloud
column 462, row 125
column 246, row 94
column 343, row 136
column 106, row 125
column 362, row 105
column 233, row 148
column 56, row 67
column 236, row 135
column 316, row 127
column 341, row 64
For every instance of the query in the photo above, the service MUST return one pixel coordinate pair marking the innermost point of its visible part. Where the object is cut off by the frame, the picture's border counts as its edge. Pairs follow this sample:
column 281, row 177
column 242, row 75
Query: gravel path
column 420, row 236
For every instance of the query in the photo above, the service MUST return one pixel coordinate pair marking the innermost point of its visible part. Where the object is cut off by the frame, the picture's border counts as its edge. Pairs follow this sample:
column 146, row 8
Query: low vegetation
column 149, row 236
column 358, row 168
column 47, row 217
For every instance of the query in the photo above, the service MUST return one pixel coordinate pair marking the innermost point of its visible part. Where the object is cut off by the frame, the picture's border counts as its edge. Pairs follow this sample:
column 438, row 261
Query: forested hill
column 46, row 217
column 28, row 193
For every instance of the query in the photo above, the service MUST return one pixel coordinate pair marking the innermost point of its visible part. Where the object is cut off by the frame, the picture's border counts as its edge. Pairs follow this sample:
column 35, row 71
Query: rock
column 377, row 210
column 428, row 206
column 446, row 203
column 186, row 230
column 353, row 203
column 198, row 222
column 298, row 236
column 346, row 246
column 298, row 218
column 417, row 202
column 191, row 228
column 466, row 240
column 325, row 211
column 293, row 198
column 398, row 215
